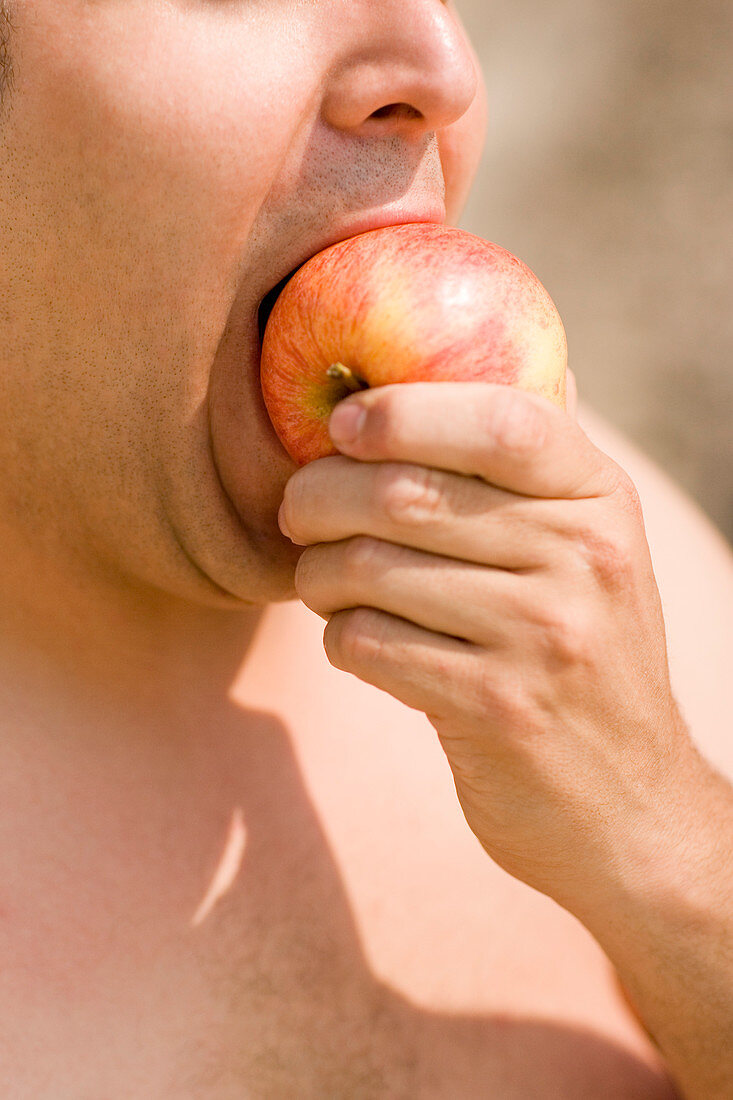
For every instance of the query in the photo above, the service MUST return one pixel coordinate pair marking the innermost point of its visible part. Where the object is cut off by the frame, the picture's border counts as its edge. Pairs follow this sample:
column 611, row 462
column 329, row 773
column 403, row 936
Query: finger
column 425, row 671
column 471, row 602
column 432, row 510
column 515, row 440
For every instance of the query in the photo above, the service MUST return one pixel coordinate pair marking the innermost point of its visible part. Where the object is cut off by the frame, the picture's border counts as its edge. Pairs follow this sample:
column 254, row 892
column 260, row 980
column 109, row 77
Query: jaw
column 247, row 553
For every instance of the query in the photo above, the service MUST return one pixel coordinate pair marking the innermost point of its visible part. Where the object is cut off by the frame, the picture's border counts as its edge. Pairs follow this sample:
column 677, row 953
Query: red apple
column 407, row 303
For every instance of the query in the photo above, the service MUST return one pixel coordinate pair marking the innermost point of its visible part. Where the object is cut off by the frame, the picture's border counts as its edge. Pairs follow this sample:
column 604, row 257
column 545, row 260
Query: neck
column 95, row 646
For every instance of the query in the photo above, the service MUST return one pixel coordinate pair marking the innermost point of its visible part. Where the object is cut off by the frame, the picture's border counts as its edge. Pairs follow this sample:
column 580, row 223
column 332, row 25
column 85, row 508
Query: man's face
column 164, row 163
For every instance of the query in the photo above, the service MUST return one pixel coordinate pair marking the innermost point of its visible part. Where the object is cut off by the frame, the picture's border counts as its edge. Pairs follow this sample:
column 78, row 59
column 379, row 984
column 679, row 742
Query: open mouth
column 268, row 302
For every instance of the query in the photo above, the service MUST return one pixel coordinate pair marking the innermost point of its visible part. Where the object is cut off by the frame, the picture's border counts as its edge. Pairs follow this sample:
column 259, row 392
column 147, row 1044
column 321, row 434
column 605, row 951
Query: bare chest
column 286, row 989
column 311, row 920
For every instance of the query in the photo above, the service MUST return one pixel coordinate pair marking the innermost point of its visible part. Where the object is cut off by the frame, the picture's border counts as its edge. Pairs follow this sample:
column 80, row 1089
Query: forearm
column 670, row 936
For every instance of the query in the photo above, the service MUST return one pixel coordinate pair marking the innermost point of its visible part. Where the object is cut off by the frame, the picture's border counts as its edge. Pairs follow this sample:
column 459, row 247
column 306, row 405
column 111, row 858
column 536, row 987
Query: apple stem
column 344, row 374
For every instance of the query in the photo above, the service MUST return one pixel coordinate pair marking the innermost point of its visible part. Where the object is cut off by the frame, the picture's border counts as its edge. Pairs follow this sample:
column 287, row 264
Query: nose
column 404, row 67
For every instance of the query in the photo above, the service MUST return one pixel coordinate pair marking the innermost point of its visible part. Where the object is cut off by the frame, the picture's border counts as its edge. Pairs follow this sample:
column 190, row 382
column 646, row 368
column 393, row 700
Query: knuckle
column 515, row 422
column 389, row 421
column 353, row 637
column 567, row 635
column 570, row 638
column 361, row 554
column 608, row 557
column 505, row 701
column 409, row 495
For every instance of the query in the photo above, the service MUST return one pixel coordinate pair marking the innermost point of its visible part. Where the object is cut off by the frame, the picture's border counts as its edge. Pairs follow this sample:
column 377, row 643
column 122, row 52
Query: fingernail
column 346, row 422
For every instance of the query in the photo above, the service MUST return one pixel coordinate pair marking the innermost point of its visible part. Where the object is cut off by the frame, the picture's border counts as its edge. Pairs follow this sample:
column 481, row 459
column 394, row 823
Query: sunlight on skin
column 227, row 869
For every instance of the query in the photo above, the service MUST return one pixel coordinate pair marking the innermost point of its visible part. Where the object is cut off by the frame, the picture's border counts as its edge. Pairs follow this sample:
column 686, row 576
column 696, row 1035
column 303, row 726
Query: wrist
column 669, row 933
column 669, row 877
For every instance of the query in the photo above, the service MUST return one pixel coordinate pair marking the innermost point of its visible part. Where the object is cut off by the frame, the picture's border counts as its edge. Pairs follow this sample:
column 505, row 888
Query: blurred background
column 609, row 170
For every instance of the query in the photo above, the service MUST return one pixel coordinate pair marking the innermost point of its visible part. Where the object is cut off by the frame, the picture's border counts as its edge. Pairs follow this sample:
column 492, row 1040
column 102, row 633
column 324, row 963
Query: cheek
column 461, row 146
column 170, row 116
column 144, row 139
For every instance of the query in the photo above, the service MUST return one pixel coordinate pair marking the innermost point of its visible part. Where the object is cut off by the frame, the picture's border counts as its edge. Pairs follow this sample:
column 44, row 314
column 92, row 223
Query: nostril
column 396, row 110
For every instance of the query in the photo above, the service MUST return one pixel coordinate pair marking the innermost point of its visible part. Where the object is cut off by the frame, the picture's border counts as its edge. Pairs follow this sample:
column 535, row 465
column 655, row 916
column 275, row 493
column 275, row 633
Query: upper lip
column 433, row 213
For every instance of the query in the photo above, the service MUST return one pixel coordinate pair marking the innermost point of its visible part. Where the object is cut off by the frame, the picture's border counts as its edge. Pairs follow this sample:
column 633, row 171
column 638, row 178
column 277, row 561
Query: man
column 230, row 870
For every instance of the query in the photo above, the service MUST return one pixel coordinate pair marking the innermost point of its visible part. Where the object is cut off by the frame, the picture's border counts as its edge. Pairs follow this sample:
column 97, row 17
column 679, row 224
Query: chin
column 265, row 574
column 270, row 576
column 215, row 557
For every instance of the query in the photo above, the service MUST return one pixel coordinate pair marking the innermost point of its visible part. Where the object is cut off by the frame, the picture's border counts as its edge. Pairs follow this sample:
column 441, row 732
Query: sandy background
column 609, row 170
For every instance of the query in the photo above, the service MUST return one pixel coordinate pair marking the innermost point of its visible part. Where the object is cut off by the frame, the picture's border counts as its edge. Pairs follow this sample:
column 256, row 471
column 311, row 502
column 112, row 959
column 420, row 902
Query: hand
column 476, row 556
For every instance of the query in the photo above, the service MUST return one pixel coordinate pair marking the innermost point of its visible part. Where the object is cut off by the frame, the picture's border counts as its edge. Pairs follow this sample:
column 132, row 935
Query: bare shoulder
column 693, row 565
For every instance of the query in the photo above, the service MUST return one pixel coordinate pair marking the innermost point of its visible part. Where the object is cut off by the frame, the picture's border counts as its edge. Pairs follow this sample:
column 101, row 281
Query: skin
column 498, row 578
column 162, row 166
column 90, row 75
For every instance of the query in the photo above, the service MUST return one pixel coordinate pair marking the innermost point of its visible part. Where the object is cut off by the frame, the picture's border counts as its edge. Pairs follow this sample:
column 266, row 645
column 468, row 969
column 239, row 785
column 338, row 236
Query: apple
column 405, row 303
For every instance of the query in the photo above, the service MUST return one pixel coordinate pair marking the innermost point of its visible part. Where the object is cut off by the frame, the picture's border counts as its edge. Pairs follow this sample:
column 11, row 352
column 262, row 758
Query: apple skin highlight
column 407, row 303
